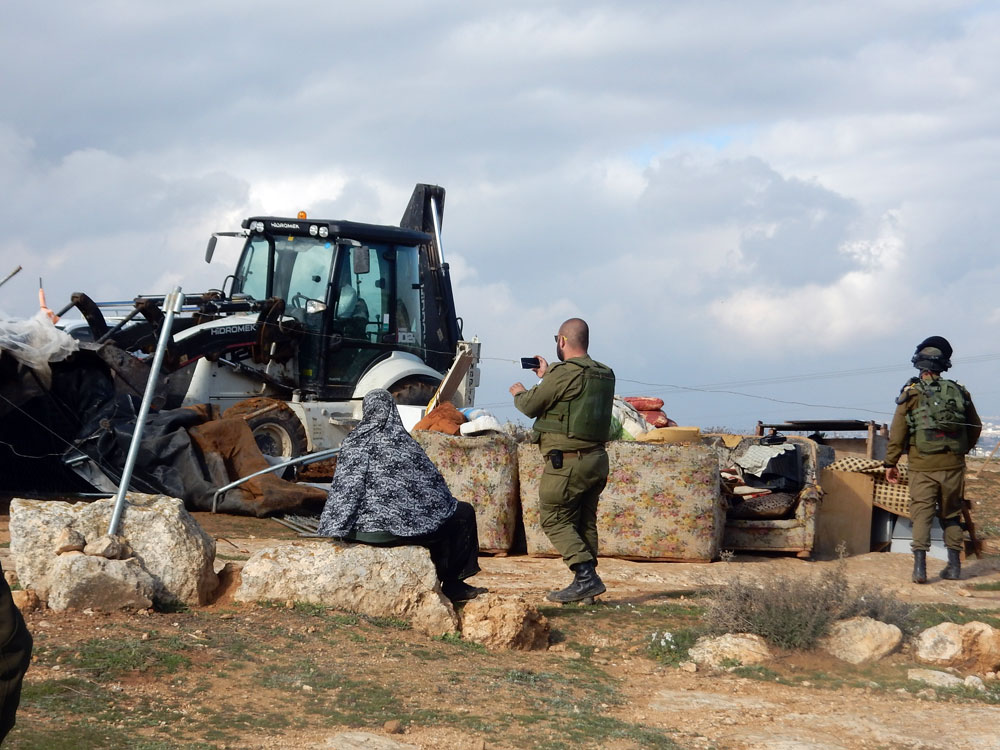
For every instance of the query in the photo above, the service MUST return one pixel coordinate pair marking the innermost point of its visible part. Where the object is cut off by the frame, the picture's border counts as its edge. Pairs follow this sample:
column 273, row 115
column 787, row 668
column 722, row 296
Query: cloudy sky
column 760, row 207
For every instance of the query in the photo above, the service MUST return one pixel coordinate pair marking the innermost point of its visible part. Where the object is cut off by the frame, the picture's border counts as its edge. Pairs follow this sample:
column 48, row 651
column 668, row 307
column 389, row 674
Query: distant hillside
column 990, row 437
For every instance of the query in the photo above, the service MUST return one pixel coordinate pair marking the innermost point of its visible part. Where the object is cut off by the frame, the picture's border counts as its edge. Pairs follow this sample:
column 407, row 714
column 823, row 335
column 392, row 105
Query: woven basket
column 894, row 498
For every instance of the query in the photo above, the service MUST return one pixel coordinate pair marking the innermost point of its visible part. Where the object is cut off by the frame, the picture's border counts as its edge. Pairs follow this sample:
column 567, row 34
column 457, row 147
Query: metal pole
column 988, row 459
column 309, row 458
column 173, row 304
column 11, row 275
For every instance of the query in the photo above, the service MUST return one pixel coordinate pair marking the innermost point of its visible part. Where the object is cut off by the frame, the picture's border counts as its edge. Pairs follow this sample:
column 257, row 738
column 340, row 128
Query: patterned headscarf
column 384, row 481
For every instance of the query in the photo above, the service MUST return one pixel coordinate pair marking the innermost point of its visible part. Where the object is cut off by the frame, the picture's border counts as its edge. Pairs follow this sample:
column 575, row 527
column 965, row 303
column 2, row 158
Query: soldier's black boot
column 919, row 566
column 557, row 596
column 953, row 570
column 586, row 584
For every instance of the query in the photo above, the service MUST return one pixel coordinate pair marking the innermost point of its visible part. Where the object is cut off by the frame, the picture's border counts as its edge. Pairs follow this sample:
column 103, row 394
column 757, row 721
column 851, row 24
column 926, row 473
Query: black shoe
column 953, row 571
column 460, row 591
column 586, row 584
column 919, row 566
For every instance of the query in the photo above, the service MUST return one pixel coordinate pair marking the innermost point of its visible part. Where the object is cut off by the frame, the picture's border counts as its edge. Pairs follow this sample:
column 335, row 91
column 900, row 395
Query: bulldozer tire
column 277, row 431
column 414, row 391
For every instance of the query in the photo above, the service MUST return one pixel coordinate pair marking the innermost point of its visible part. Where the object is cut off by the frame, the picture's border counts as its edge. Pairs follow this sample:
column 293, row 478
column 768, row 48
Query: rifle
column 968, row 525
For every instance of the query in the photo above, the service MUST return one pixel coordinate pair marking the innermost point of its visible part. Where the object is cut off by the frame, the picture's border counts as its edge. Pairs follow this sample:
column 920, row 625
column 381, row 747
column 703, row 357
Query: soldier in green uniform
column 571, row 407
column 935, row 424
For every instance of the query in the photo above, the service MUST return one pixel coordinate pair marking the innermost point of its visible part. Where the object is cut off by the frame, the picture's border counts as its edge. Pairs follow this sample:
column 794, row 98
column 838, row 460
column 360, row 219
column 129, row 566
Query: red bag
column 645, row 403
column 656, row 418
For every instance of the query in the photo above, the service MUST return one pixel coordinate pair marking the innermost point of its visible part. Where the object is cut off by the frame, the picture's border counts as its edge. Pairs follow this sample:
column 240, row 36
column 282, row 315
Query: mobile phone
column 530, row 363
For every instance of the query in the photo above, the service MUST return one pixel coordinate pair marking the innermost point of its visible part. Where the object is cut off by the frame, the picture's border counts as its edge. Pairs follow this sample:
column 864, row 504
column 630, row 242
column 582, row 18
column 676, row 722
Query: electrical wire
column 109, row 470
column 41, row 424
column 723, row 388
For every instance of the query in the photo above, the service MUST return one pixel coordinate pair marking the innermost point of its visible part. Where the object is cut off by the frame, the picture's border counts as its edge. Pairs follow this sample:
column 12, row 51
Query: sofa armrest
column 809, row 499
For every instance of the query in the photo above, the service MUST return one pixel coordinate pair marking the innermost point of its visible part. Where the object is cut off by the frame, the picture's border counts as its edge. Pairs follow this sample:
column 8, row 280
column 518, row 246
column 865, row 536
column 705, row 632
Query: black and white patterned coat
column 384, row 481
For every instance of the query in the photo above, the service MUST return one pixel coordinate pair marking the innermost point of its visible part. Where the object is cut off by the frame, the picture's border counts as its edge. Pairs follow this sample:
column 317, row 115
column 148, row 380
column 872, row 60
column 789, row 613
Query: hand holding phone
column 530, row 363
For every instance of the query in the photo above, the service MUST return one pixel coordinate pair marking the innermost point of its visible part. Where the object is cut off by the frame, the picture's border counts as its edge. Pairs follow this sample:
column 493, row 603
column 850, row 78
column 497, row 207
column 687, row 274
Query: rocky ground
column 290, row 675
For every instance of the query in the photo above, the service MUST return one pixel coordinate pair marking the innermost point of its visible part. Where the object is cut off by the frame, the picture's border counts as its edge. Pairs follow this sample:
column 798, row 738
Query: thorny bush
column 795, row 613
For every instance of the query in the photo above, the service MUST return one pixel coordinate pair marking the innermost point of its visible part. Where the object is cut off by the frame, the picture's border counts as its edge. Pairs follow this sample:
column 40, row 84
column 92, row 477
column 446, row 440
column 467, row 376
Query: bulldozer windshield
column 297, row 269
column 372, row 297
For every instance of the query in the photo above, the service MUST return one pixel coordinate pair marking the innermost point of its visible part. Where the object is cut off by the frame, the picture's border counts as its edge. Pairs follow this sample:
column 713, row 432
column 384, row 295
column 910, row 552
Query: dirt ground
column 290, row 675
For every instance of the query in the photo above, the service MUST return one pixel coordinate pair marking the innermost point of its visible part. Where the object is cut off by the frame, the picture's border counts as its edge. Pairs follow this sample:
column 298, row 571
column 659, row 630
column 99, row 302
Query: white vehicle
column 317, row 314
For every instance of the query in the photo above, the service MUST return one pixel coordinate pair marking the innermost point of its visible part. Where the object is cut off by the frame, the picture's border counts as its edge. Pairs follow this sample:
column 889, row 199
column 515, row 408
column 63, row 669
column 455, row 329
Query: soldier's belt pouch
column 555, row 458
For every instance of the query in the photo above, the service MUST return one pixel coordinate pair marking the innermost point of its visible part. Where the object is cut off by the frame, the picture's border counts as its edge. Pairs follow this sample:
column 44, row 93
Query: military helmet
column 933, row 353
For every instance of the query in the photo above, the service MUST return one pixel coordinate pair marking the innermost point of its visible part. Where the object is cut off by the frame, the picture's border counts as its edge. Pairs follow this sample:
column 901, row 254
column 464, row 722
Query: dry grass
column 794, row 613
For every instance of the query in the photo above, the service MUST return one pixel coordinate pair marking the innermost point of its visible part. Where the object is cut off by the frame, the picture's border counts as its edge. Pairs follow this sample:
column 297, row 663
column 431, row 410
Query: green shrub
column 794, row 613
column 671, row 646
column 879, row 604
column 787, row 612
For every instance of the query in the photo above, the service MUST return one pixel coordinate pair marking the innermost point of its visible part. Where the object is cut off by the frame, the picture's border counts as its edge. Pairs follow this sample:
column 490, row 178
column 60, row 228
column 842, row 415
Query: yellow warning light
column 302, row 214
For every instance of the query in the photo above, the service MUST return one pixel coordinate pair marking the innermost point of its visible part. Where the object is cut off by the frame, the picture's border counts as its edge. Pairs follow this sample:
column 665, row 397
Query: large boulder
column 974, row 646
column 861, row 639
column 730, row 649
column 159, row 533
column 504, row 622
column 376, row 581
column 81, row 581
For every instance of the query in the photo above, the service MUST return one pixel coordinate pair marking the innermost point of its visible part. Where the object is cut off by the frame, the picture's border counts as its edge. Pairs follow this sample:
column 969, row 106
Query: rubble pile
column 505, row 622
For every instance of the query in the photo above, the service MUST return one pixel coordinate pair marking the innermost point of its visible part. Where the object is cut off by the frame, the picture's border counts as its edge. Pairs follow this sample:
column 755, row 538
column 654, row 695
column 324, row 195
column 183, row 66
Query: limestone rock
column 505, row 622
column 229, row 582
column 85, row 581
column 11, row 577
column 861, row 639
column 935, row 678
column 70, row 540
column 742, row 648
column 976, row 683
column 974, row 646
column 163, row 537
column 26, row 600
column 110, row 547
column 363, row 741
column 377, row 581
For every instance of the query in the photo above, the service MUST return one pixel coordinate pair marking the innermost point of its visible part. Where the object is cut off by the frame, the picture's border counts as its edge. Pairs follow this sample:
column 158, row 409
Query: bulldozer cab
column 356, row 293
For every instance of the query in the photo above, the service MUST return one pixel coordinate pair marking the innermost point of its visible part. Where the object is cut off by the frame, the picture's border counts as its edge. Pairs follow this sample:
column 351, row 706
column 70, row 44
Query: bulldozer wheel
column 414, row 391
column 278, row 431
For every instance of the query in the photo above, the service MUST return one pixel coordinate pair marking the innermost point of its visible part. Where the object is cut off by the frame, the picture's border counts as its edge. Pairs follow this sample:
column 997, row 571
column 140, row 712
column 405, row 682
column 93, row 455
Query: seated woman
column 386, row 492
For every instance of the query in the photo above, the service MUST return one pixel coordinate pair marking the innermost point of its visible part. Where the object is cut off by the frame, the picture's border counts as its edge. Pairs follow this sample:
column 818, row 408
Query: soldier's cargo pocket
column 552, row 489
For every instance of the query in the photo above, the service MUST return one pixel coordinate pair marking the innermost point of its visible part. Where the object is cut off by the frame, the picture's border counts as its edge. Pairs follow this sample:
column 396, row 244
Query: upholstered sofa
column 794, row 533
column 481, row 471
column 662, row 502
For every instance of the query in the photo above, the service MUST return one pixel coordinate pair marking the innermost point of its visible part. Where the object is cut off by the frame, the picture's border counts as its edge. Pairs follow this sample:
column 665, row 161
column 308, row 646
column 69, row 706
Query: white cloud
column 861, row 305
column 690, row 177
